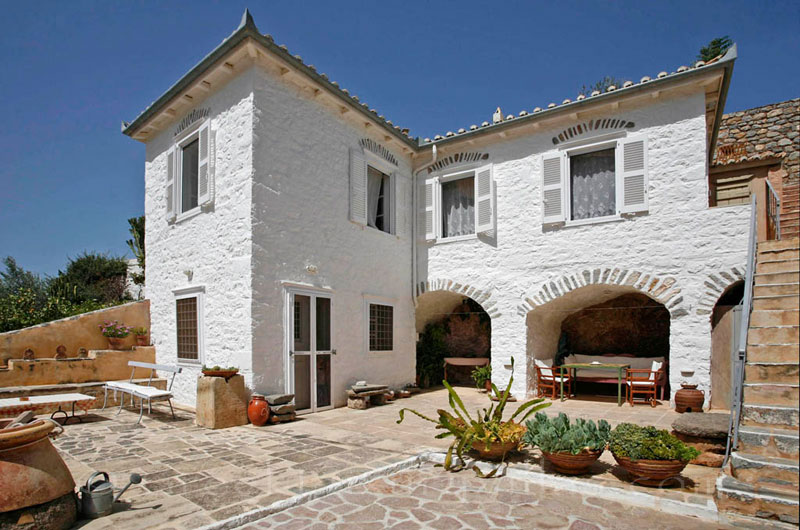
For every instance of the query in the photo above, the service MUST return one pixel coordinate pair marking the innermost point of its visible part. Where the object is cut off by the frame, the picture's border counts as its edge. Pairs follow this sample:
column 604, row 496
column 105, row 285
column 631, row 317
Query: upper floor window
column 460, row 205
column 379, row 204
column 595, row 182
column 189, row 178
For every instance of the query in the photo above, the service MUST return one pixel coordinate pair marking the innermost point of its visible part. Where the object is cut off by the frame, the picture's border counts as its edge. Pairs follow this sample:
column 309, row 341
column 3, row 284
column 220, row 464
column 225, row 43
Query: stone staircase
column 762, row 478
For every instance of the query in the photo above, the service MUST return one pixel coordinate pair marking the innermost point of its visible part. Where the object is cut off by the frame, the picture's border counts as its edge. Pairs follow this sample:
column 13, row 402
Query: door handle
column 333, row 351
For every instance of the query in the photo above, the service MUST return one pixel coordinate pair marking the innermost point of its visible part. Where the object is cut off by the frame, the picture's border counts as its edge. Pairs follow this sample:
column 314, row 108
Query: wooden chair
column 643, row 382
column 548, row 383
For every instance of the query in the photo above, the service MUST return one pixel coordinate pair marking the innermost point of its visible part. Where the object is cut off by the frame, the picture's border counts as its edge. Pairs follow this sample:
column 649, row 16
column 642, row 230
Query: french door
column 310, row 351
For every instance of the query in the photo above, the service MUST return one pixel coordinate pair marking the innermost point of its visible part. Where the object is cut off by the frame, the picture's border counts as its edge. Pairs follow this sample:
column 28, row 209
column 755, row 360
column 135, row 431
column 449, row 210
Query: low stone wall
column 79, row 331
column 90, row 389
column 100, row 365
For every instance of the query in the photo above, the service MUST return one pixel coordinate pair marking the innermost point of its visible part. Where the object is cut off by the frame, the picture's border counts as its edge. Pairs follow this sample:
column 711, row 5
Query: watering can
column 97, row 496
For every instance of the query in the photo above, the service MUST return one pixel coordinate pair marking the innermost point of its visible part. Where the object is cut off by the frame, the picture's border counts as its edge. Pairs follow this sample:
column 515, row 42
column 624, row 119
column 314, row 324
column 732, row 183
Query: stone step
column 769, row 372
column 771, row 303
column 774, row 335
column 766, row 473
column 780, row 317
column 776, row 289
column 768, row 441
column 773, row 353
column 732, row 495
column 765, row 278
column 781, row 244
column 781, row 394
column 772, row 255
column 771, row 416
column 777, row 265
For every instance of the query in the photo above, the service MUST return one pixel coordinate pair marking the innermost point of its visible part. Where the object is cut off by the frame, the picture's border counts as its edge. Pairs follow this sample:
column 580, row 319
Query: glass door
column 310, row 351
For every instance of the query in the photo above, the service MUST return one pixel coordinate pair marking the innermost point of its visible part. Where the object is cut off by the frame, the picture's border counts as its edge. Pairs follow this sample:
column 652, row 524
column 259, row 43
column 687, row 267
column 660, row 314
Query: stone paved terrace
column 194, row 476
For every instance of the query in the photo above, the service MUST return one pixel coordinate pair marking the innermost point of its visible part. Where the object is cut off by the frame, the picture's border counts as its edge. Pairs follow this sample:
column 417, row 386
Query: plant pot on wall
column 142, row 340
column 115, row 343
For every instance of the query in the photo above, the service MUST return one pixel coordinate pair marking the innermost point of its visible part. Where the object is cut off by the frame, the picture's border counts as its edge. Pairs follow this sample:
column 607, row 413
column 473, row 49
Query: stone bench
column 364, row 397
column 706, row 432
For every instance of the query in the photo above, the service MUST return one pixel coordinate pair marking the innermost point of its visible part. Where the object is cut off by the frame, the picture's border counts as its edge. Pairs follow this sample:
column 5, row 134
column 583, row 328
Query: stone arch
column 663, row 289
column 715, row 285
column 481, row 295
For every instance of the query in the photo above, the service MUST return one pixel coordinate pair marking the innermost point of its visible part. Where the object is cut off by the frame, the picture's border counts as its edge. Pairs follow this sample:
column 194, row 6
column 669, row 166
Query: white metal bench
column 143, row 392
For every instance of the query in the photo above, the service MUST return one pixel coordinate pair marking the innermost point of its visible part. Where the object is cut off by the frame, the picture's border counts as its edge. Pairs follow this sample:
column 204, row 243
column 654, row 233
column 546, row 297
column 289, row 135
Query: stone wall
column 100, row 365
column 671, row 250
column 79, row 331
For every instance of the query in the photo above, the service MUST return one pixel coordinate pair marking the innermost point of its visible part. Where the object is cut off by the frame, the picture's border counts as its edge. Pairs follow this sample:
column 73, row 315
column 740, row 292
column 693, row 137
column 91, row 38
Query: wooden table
column 574, row 367
column 10, row 407
column 464, row 361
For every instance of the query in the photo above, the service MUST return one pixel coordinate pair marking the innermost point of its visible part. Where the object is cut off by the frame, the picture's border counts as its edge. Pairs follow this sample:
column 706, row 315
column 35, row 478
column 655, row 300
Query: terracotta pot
column 488, row 385
column 258, row 410
column 570, row 464
column 142, row 340
column 497, row 451
column 31, row 470
column 115, row 343
column 689, row 399
column 227, row 374
column 651, row 472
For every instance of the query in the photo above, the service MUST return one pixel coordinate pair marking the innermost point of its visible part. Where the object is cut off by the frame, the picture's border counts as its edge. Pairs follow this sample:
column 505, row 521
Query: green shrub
column 648, row 443
column 481, row 375
column 431, row 351
column 558, row 435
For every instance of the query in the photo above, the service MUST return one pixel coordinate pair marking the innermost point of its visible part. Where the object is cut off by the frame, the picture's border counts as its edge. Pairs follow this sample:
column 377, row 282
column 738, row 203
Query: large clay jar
column 258, row 410
column 689, row 399
column 31, row 470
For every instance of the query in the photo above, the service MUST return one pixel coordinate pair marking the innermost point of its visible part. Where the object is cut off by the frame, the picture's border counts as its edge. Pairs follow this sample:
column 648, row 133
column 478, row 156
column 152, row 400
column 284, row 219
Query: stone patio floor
column 195, row 476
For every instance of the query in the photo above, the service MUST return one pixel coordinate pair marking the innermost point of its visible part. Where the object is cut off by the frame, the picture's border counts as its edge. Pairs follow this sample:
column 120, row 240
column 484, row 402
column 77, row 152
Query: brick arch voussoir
column 662, row 288
column 714, row 285
column 481, row 295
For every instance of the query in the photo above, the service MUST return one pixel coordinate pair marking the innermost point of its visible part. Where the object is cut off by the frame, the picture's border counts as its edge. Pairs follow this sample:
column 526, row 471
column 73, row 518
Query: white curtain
column 374, row 179
column 593, row 184
column 458, row 207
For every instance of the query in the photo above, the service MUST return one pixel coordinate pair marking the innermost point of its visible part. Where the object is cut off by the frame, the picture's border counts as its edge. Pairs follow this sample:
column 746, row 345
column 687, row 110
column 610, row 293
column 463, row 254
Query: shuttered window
column 190, row 181
column 459, row 205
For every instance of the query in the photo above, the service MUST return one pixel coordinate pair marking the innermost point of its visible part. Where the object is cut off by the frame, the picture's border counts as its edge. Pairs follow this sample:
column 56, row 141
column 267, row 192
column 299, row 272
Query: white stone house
column 295, row 233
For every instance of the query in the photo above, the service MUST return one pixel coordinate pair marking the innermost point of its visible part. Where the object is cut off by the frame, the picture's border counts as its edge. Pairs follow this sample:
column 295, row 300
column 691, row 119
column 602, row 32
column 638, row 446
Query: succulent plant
column 648, row 443
column 558, row 435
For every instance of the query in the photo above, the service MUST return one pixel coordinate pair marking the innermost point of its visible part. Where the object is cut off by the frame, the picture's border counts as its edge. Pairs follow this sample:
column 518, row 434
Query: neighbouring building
column 296, row 233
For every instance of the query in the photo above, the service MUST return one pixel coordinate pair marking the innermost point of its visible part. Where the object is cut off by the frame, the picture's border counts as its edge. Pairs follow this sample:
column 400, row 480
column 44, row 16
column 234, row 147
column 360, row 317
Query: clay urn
column 689, row 399
column 258, row 410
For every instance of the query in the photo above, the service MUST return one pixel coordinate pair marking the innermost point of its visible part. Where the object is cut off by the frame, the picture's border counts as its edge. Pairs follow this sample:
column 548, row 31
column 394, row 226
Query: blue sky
column 73, row 70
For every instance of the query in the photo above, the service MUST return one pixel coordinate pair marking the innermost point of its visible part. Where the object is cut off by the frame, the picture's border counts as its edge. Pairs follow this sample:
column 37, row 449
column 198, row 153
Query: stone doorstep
column 775, row 473
column 696, row 505
column 768, row 441
column 785, row 417
column 735, row 495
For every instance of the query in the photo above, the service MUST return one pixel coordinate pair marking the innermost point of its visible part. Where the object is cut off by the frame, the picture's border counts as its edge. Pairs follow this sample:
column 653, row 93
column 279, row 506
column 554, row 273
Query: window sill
column 456, row 239
column 189, row 363
column 381, row 352
column 372, row 229
column 595, row 221
column 188, row 214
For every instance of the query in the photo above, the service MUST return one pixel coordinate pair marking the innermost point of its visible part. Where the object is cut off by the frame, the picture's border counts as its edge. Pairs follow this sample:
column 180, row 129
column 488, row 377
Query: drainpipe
column 414, row 205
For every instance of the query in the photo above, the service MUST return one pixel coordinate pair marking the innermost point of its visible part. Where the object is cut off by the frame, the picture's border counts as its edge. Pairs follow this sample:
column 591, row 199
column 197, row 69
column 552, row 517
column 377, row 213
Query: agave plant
column 486, row 428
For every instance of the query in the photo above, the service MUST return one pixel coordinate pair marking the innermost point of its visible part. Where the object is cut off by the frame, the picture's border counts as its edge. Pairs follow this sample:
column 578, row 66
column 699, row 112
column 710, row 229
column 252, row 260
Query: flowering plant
column 113, row 329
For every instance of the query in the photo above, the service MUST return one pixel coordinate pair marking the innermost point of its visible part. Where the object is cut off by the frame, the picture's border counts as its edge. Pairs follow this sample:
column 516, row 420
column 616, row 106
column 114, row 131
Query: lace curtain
column 458, row 207
column 374, row 180
column 593, row 184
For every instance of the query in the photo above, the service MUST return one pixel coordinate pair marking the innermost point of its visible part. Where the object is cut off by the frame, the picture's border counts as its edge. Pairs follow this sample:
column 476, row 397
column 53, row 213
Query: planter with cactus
column 571, row 448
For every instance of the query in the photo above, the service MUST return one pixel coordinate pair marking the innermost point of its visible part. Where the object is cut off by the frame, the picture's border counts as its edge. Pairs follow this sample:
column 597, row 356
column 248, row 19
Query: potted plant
column 486, row 432
column 141, row 336
column 115, row 333
column 652, row 456
column 482, row 375
column 217, row 371
column 571, row 448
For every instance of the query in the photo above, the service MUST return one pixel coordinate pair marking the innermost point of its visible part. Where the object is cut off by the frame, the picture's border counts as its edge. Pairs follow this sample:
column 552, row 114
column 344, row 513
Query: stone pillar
column 220, row 403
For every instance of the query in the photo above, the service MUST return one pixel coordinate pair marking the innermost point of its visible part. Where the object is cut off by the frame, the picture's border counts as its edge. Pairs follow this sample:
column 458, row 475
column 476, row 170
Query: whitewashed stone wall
column 215, row 245
column 300, row 217
column 680, row 238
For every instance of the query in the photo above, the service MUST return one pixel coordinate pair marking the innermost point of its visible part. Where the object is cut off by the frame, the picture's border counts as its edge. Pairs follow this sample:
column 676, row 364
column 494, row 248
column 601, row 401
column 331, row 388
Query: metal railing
column 773, row 212
column 740, row 356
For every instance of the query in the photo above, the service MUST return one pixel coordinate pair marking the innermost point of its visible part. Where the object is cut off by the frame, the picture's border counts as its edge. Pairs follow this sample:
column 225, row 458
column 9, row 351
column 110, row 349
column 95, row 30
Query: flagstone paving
column 194, row 476
column 431, row 498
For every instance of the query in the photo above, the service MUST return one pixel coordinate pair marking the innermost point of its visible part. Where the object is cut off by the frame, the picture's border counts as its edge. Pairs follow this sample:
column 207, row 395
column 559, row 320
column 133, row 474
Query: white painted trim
column 185, row 137
column 199, row 292
column 600, row 138
column 306, row 287
column 370, row 299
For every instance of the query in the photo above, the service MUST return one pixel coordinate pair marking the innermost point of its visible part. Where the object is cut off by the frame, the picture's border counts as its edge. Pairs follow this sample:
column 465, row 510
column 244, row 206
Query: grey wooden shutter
column 632, row 178
column 204, row 173
column 485, row 208
column 398, row 204
column 358, row 187
column 553, row 169
column 431, row 192
column 171, row 187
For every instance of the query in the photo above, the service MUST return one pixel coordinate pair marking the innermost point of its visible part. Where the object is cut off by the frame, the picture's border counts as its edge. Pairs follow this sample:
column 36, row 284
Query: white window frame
column 462, row 173
column 186, row 137
column 581, row 150
column 379, row 300
column 390, row 170
column 199, row 292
